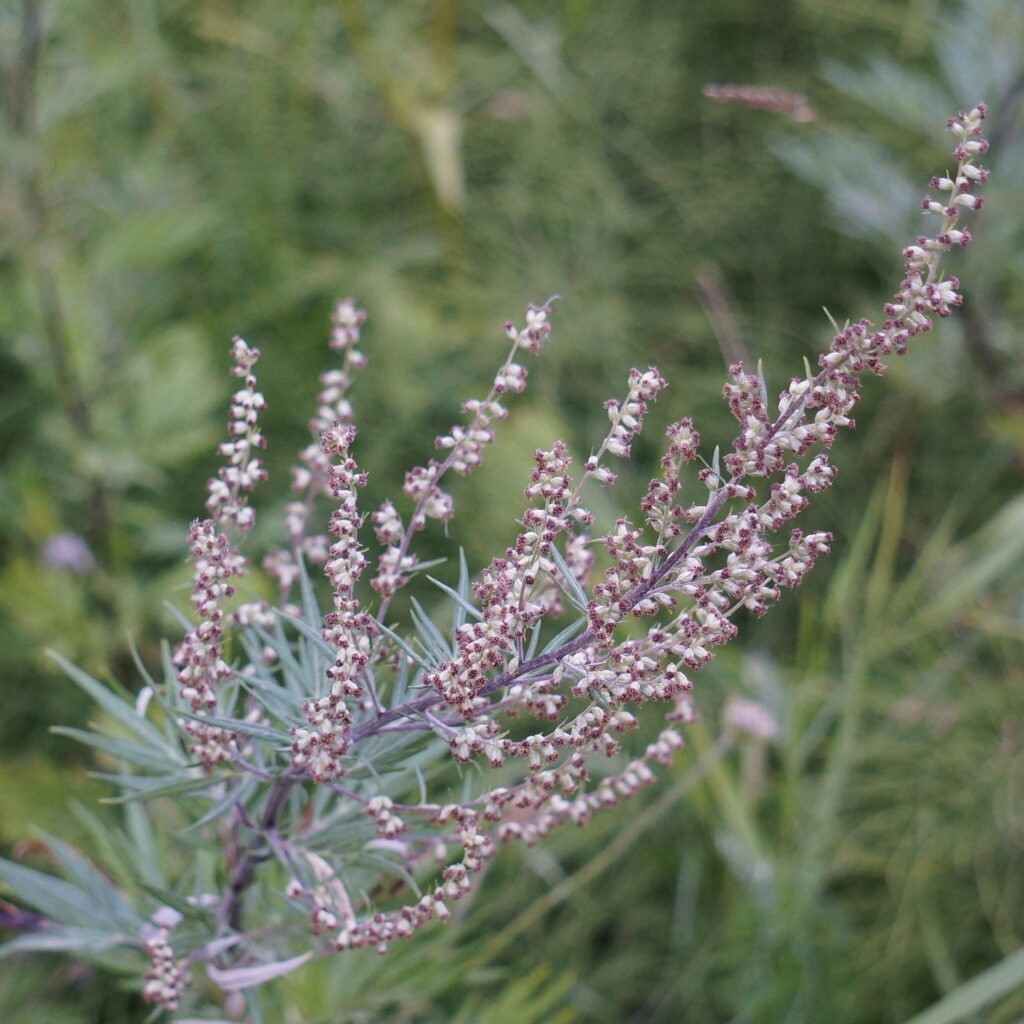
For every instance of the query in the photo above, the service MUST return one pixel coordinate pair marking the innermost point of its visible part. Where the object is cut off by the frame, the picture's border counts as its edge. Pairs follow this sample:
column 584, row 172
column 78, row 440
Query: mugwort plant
column 348, row 775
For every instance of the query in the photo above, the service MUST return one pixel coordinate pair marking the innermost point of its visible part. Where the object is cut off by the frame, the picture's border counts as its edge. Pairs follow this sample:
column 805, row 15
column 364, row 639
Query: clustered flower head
column 351, row 632
column 759, row 97
column 464, row 446
column 311, row 477
column 227, row 491
column 550, row 712
column 166, row 978
column 216, row 561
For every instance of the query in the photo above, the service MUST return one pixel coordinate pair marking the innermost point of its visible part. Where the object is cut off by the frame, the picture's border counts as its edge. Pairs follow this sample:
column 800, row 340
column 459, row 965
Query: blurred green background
column 177, row 172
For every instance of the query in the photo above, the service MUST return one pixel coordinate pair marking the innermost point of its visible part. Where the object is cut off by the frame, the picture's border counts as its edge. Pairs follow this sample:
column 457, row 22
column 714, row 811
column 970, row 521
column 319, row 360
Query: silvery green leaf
column 762, row 384
column 429, row 635
column 254, row 1008
column 233, row 979
column 54, row 898
column 189, row 911
column 144, row 849
column 118, row 911
column 535, row 631
column 969, row 1000
column 324, row 798
column 141, row 787
column 900, row 94
column 122, row 711
column 279, row 643
column 458, row 613
column 409, row 652
column 565, row 635
column 567, row 582
column 253, row 729
column 236, row 794
column 169, row 699
column 401, row 683
column 180, row 618
column 86, row 941
column 420, row 566
column 309, row 632
column 283, row 704
column 346, row 835
column 463, row 605
column 392, row 867
column 310, row 606
column 422, row 782
column 124, row 750
column 141, row 667
column 108, row 843
column 167, row 663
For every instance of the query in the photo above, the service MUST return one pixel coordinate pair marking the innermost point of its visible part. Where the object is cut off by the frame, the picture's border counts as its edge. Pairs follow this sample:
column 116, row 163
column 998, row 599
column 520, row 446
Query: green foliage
column 193, row 170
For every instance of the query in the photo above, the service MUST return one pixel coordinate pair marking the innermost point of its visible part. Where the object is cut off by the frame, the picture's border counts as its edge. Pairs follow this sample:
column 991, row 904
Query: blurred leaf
column 972, row 997
column 238, row 978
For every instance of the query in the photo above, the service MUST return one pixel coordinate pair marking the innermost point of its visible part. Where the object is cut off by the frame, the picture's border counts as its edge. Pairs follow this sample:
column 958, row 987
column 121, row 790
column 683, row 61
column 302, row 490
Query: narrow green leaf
column 143, row 788
column 144, row 847
column 762, row 383
column 123, row 712
column 52, row 897
column 124, row 750
column 463, row 605
column 394, row 868
column 432, row 563
column 311, row 634
column 409, row 652
column 174, row 900
column 430, row 636
column 535, row 630
column 237, row 794
column 292, row 671
column 310, row 606
column 401, row 684
column 565, row 635
column 970, row 998
column 458, row 614
column 119, row 912
column 284, row 705
column 183, row 621
column 140, row 665
column 253, row 729
column 235, row 979
column 104, row 844
column 567, row 582
column 85, row 941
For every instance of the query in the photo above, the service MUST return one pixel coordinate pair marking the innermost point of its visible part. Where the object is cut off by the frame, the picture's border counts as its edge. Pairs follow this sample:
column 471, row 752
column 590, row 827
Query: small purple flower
column 68, row 551
column 751, row 717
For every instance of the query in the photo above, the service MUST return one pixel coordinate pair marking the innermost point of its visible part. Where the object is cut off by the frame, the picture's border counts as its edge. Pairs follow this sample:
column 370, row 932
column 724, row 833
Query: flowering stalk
column 465, row 452
column 350, row 723
column 199, row 656
column 316, row 750
column 648, row 578
column 310, row 478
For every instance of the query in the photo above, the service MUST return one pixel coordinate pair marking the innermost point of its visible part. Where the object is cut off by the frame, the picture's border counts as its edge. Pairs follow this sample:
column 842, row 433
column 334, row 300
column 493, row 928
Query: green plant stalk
column 707, row 763
column 861, row 657
column 734, row 809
